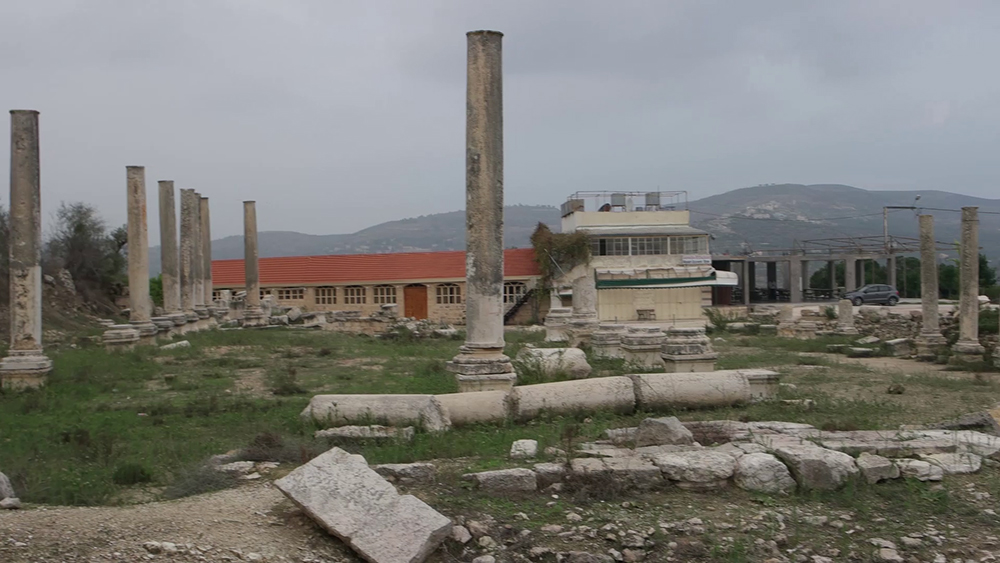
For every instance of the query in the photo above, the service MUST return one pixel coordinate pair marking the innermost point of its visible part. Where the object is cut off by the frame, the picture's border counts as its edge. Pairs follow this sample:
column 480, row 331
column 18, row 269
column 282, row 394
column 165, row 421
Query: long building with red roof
column 421, row 284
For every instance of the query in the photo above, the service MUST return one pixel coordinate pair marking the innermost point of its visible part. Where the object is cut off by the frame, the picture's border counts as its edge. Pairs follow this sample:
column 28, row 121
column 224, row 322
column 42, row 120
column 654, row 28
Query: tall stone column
column 188, row 234
column 253, row 315
column 968, row 348
column 140, row 304
column 930, row 342
column 795, row 267
column 25, row 365
column 850, row 273
column 481, row 364
column 890, row 267
column 169, row 261
column 206, row 258
column 198, row 266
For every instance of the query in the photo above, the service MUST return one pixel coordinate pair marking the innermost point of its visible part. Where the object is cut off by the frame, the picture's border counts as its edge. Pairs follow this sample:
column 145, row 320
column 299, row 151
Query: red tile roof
column 358, row 268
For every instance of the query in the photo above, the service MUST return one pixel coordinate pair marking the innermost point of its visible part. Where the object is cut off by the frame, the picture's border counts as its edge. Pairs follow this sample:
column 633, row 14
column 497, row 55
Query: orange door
column 415, row 301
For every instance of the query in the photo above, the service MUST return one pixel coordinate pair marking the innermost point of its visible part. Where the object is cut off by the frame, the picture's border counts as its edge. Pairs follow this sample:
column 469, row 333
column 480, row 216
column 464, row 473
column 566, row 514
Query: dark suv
column 873, row 293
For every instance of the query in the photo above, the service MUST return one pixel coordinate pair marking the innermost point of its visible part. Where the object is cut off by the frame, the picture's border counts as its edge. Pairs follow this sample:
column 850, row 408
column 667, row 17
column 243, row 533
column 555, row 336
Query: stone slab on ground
column 505, row 480
column 816, row 468
column 661, row 431
column 699, row 470
column 955, row 464
column 395, row 410
column 629, row 471
column 707, row 432
column 420, row 472
column 524, row 449
column 875, row 468
column 351, row 501
column 763, row 473
column 371, row 432
column 886, row 444
column 919, row 469
column 969, row 441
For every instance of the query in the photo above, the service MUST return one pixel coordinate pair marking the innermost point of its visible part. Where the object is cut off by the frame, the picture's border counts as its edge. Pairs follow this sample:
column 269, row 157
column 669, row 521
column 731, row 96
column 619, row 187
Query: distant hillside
column 761, row 217
column 440, row 231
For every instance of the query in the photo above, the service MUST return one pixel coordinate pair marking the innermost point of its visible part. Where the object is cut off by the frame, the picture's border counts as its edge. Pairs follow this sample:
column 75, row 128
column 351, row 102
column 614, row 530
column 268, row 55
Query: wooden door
column 415, row 301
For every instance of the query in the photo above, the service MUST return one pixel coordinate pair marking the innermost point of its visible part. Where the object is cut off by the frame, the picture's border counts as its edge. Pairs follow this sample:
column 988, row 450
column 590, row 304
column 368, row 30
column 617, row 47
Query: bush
column 286, row 383
column 198, row 480
column 131, row 473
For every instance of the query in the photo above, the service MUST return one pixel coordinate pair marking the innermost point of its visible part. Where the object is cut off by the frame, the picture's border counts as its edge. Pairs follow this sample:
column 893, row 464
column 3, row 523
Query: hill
column 761, row 217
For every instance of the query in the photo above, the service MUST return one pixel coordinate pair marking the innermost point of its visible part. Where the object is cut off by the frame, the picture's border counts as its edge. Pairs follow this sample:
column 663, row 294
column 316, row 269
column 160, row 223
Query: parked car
column 874, row 293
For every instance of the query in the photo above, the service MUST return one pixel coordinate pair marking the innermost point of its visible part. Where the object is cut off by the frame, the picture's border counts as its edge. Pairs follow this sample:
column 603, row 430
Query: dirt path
column 224, row 526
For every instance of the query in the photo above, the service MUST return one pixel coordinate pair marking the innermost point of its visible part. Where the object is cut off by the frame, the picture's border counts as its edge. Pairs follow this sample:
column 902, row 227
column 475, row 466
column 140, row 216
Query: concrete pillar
column 188, row 234
column 481, row 364
column 772, row 281
column 890, row 266
column 930, row 342
column 25, row 365
column 253, row 315
column 795, row 281
column 169, row 261
column 140, row 304
column 747, row 281
column 850, row 274
column 968, row 348
column 206, row 258
column 751, row 279
column 862, row 278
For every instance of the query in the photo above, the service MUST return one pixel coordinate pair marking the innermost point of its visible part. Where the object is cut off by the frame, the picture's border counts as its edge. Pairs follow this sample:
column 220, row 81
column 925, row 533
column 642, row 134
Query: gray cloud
column 338, row 115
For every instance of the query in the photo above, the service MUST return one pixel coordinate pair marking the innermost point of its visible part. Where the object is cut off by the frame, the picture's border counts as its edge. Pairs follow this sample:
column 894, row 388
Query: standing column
column 930, row 342
column 206, row 257
column 253, row 315
column 831, row 275
column 850, row 274
column 198, row 264
column 747, row 286
column 187, row 254
column 25, row 365
column 890, row 266
column 169, row 262
column 481, row 364
column 968, row 348
column 795, row 280
column 140, row 304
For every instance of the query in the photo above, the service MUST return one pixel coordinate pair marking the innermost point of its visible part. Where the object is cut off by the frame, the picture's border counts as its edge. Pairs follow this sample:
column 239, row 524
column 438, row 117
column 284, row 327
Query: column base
column 120, row 338
column 966, row 352
column 644, row 357
column 147, row 331
column 846, row 331
column 764, row 385
column 24, row 369
column 930, row 345
column 688, row 363
column 254, row 318
column 485, row 369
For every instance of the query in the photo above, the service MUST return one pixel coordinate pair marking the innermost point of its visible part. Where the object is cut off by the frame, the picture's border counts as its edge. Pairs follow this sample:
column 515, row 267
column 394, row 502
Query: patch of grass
column 285, row 382
column 199, row 479
column 131, row 473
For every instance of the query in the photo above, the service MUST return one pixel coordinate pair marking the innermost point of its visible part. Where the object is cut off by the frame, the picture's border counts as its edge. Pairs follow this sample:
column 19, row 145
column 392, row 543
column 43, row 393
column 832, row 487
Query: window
column 384, row 294
column 644, row 246
column 616, row 246
column 513, row 291
column 265, row 292
column 291, row 294
column 449, row 293
column 326, row 296
column 689, row 245
column 354, row 295
column 216, row 294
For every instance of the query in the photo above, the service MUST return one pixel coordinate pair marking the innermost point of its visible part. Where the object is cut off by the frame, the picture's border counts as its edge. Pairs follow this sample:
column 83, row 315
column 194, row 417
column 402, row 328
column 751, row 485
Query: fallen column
column 930, row 342
column 481, row 364
column 25, row 364
column 968, row 349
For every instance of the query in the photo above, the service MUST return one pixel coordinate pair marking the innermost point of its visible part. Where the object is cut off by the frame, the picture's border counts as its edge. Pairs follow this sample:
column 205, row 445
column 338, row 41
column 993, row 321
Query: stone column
column 930, row 342
column 968, row 348
column 198, row 265
column 480, row 364
column 795, row 266
column 187, row 254
column 850, row 273
column 253, row 315
column 25, row 365
column 584, row 308
column 140, row 304
column 169, row 261
column 206, row 258
column 845, row 317
column 890, row 267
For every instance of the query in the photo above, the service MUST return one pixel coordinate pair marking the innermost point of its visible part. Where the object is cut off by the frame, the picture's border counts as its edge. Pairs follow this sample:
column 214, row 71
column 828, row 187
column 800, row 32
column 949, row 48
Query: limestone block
column 505, row 480
column 620, row 436
column 867, row 340
column 718, row 431
column 763, row 473
column 475, row 407
column 900, row 347
column 969, row 441
column 698, row 470
column 659, row 431
column 294, row 314
column 818, row 468
column 564, row 397
column 370, row 432
column 396, row 410
column 885, row 443
column 955, row 464
column 524, row 449
column 875, row 468
column 548, row 473
column 627, row 472
column 407, row 472
column 857, row 352
column 351, row 501
column 556, row 361
column 690, row 390
column 6, row 489
column 920, row 470
column 739, row 449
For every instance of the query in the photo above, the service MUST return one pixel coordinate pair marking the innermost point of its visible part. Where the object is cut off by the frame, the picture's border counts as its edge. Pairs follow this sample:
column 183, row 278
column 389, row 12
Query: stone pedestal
column 607, row 340
column 481, row 364
column 557, row 324
column 845, row 318
column 584, row 321
column 968, row 349
column 120, row 338
column 764, row 384
column 641, row 346
column 25, row 364
column 786, row 321
column 687, row 350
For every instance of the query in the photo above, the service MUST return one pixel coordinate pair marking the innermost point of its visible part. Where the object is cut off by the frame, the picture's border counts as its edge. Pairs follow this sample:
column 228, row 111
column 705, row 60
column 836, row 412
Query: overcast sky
column 336, row 116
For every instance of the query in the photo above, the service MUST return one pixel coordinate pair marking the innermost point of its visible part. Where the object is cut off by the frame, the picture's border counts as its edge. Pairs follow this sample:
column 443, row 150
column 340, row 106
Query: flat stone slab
column 371, row 432
column 407, row 472
column 890, row 447
column 763, row 473
column 630, row 471
column 875, row 468
column 700, row 470
column 505, row 480
column 969, row 441
column 524, row 449
column 856, row 352
column 817, row 468
column 662, row 431
column 351, row 501
column 955, row 464
column 919, row 469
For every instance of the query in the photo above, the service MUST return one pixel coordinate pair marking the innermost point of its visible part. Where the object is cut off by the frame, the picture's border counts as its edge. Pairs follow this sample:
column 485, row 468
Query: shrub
column 286, row 383
column 198, row 480
column 131, row 473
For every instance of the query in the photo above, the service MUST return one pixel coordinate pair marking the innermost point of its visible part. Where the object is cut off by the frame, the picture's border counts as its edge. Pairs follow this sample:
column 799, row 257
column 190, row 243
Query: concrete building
column 423, row 285
column 648, row 262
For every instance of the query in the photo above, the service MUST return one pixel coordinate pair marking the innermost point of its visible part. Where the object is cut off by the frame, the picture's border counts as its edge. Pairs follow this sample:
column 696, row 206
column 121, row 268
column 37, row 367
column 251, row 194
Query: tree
column 81, row 244
column 987, row 275
column 156, row 290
